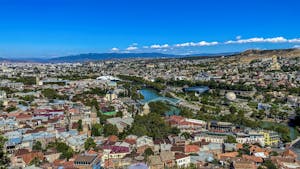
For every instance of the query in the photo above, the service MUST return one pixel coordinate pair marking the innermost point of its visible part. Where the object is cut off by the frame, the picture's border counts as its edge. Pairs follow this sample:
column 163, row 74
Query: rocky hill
column 249, row 55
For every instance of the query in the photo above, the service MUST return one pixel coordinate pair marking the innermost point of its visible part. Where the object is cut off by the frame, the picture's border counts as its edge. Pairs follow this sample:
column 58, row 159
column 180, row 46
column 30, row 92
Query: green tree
column 175, row 130
column 231, row 139
column 186, row 135
column 110, row 129
column 139, row 129
column 148, row 152
column 89, row 143
column 37, row 146
column 186, row 113
column 52, row 94
column 274, row 153
column 232, row 109
column 4, row 160
column 36, row 161
column 49, row 93
column 269, row 164
column 244, row 150
column 159, row 107
column 119, row 114
column 11, row 108
column 65, row 150
column 28, row 98
column 96, row 129
column 79, row 127
column 151, row 125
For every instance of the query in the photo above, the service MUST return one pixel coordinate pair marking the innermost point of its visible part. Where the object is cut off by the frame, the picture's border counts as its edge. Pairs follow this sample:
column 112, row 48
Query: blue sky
column 50, row 28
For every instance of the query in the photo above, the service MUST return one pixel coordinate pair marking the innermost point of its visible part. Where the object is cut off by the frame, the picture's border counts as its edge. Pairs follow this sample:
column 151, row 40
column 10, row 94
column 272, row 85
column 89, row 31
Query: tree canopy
column 110, row 129
column 89, row 143
column 151, row 125
column 159, row 107
column 4, row 160
column 37, row 146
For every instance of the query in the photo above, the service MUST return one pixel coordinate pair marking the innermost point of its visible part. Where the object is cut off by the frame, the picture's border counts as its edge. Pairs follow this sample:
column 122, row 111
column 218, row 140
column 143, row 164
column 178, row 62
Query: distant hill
column 5, row 60
column 208, row 55
column 249, row 55
column 106, row 56
column 245, row 56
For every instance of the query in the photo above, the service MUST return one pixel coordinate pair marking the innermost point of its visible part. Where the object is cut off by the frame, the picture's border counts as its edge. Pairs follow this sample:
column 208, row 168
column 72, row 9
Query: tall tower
column 146, row 109
column 275, row 65
column 94, row 118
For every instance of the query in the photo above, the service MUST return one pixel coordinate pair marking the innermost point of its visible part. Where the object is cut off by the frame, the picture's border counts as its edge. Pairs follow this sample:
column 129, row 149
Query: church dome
column 230, row 96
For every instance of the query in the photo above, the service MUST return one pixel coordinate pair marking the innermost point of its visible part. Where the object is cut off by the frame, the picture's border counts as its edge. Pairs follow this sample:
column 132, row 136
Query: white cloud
column 130, row 48
column 296, row 46
column 202, row 43
column 261, row 40
column 159, row 46
column 296, row 40
column 115, row 49
column 238, row 40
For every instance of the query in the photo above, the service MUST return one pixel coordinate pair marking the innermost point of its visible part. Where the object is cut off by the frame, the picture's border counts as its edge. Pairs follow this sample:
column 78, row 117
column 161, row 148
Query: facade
column 250, row 138
column 271, row 138
column 114, row 152
column 182, row 160
column 210, row 137
column 220, row 126
column 87, row 161
column 187, row 125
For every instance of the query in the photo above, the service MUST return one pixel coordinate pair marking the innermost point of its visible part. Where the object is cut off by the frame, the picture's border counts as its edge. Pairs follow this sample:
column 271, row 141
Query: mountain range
column 246, row 55
column 105, row 56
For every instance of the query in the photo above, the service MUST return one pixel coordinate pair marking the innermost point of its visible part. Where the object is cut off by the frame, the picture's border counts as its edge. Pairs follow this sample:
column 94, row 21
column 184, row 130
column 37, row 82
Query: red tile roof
column 112, row 138
column 179, row 156
column 191, row 148
column 253, row 158
column 227, row 155
column 28, row 157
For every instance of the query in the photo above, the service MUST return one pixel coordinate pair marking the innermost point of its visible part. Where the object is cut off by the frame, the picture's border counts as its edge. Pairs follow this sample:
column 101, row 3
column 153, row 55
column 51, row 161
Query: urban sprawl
column 206, row 113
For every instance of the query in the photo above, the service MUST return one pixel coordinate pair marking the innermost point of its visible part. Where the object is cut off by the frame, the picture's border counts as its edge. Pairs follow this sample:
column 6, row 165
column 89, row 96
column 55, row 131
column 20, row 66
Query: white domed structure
column 230, row 96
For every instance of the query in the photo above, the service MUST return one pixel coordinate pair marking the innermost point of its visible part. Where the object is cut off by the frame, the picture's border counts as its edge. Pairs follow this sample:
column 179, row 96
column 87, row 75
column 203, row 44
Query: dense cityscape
column 193, row 112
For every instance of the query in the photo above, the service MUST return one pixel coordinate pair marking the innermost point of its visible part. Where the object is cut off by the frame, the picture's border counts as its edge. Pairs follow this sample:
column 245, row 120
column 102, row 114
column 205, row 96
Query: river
column 152, row 95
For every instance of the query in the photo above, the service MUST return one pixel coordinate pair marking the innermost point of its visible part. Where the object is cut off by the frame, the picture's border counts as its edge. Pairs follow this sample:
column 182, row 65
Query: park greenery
column 141, row 81
column 89, row 143
column 96, row 129
column 66, row 151
column 53, row 94
column 151, row 125
column 211, row 84
column 159, row 107
column 110, row 129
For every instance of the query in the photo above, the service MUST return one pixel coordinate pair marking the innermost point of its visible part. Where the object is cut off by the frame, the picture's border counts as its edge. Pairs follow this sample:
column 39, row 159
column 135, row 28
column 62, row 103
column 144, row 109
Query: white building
column 182, row 160
column 250, row 138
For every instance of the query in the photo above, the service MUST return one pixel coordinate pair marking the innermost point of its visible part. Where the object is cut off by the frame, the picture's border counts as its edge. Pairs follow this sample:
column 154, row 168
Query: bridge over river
column 295, row 146
column 295, row 142
column 152, row 96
